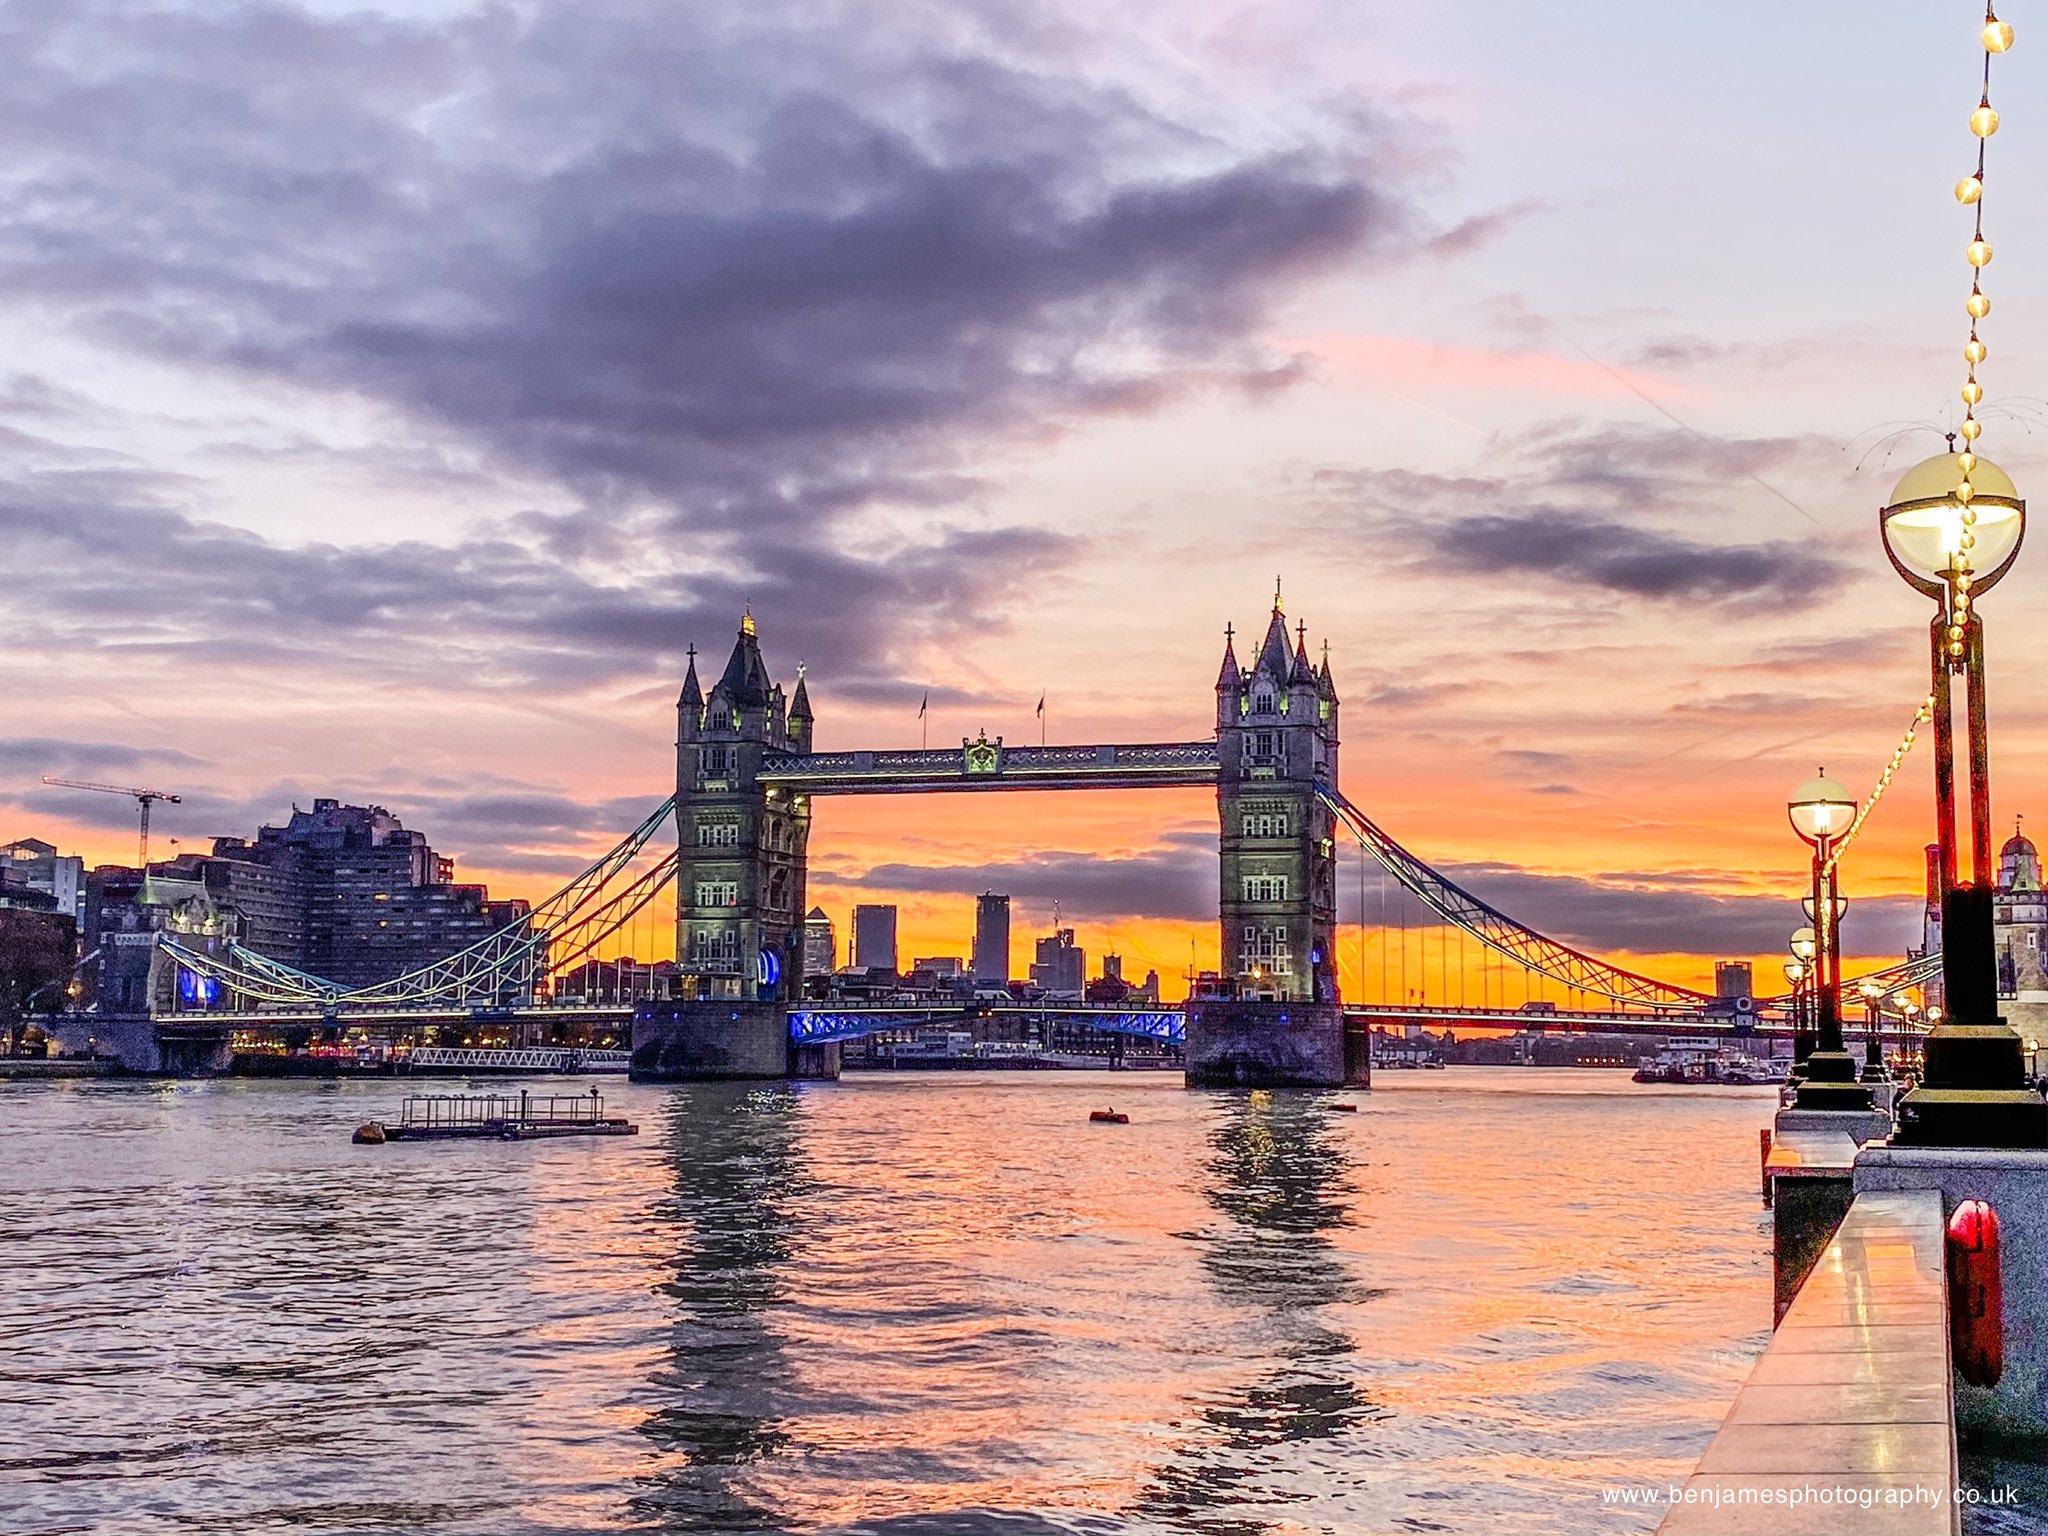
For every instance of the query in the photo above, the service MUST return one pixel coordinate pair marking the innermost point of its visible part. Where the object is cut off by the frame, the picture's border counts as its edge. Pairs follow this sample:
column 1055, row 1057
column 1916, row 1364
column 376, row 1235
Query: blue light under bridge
column 819, row 1026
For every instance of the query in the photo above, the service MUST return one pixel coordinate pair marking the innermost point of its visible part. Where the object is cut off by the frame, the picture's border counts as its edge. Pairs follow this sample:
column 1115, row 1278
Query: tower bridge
column 746, row 776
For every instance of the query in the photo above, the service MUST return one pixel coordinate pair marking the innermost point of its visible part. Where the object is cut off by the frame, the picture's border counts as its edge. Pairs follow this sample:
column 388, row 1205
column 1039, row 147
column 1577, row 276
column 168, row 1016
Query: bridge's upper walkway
column 983, row 764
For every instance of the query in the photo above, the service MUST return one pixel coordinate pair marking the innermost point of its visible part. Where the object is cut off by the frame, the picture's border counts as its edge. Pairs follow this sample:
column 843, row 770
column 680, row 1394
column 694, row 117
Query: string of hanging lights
column 1884, row 782
column 1997, row 38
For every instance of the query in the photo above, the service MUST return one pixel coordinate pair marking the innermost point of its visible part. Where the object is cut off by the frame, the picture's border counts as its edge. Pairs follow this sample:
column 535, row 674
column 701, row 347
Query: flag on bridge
column 923, row 704
column 1041, row 706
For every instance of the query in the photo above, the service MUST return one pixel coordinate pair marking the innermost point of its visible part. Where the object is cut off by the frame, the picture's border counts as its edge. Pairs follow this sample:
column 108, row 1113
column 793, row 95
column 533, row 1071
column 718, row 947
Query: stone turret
column 800, row 721
column 1229, row 683
column 740, row 879
column 1278, row 898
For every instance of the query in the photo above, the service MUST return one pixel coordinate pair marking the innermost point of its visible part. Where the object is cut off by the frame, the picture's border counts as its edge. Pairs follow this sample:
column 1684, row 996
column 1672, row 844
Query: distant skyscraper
column 1062, row 968
column 992, row 938
column 874, row 938
column 821, row 944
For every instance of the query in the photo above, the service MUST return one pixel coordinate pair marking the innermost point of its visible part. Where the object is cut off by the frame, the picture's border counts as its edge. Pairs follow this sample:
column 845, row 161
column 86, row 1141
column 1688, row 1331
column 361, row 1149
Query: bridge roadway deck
column 985, row 765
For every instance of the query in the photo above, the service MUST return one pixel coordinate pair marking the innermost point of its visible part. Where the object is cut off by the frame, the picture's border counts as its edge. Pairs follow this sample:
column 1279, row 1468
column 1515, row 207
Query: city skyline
column 1569, row 479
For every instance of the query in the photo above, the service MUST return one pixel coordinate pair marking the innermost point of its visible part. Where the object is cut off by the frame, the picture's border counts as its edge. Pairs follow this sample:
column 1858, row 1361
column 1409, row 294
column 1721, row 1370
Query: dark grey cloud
column 37, row 755
column 733, row 281
column 1617, row 510
column 1617, row 557
column 509, row 827
column 1674, row 913
column 120, row 565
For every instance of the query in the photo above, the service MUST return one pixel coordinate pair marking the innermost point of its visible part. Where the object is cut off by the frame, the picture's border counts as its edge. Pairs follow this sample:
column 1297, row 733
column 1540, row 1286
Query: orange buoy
column 1976, row 1300
column 1108, row 1117
column 1345, row 1109
column 369, row 1134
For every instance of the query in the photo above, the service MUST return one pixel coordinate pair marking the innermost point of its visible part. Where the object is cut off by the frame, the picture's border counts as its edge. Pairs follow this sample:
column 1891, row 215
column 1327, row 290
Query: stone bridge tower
column 1276, row 741
column 740, row 875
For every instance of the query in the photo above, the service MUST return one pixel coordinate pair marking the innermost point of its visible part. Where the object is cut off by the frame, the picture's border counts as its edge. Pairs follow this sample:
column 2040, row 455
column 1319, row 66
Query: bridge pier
column 1240, row 1044
column 677, row 1042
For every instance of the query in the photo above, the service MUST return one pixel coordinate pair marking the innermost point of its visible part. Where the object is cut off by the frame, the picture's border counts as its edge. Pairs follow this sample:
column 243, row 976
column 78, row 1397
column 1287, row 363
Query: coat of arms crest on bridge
column 982, row 755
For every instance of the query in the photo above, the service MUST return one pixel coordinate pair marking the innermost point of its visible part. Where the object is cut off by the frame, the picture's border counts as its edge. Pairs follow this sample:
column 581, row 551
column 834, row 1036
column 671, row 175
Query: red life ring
column 1976, row 1303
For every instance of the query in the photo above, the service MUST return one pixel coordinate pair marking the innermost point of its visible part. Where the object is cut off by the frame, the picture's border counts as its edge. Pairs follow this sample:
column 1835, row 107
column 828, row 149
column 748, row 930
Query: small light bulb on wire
column 1969, row 189
column 1979, row 252
column 1984, row 121
column 1977, row 304
column 1997, row 35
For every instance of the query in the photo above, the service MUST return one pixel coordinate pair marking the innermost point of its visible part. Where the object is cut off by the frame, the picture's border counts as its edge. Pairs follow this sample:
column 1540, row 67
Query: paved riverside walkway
column 1845, row 1425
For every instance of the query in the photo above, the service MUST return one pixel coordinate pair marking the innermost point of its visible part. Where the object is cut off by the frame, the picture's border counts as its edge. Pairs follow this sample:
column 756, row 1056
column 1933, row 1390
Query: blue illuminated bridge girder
column 988, row 765
column 820, row 1026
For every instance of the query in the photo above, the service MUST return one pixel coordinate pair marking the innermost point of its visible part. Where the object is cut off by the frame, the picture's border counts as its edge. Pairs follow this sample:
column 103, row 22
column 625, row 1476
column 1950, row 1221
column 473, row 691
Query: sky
column 390, row 395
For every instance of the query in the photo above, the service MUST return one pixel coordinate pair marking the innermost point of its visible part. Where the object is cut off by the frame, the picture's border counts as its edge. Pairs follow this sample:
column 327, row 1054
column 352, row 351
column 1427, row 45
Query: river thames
column 917, row 1303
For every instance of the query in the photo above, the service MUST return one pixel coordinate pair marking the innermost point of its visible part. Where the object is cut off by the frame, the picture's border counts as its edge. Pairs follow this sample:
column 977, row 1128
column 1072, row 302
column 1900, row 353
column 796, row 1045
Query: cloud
column 1605, row 914
column 512, row 614
column 1637, row 562
column 1641, row 912
column 37, row 755
column 1585, row 508
column 758, row 295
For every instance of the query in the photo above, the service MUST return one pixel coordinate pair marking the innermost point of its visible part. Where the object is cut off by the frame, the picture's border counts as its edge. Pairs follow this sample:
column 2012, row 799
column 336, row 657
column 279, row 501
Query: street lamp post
column 1803, row 947
column 1952, row 529
column 1874, row 1068
column 1820, row 812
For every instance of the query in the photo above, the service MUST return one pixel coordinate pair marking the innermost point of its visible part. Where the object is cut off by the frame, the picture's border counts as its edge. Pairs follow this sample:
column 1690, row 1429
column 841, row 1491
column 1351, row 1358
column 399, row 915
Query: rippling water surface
column 937, row 1303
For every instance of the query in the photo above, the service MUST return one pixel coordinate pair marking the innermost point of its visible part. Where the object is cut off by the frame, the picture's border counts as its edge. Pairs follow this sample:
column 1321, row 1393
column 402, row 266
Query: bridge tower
column 740, row 875
column 1276, row 741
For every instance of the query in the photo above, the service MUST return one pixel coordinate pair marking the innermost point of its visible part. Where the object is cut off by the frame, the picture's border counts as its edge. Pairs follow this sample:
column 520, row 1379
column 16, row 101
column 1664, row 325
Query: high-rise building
column 874, row 938
column 32, row 865
column 1062, row 967
column 342, row 891
column 821, row 944
column 992, row 938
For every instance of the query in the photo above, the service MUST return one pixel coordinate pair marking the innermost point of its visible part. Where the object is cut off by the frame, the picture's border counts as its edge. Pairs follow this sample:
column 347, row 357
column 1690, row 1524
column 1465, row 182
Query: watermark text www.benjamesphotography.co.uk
column 1819, row 1495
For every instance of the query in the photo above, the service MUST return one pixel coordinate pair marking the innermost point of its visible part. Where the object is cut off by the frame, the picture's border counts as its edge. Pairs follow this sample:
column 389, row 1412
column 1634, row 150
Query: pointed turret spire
column 1276, row 656
column 692, row 696
column 1301, row 671
column 1231, row 675
column 800, row 701
column 1323, row 678
column 745, row 680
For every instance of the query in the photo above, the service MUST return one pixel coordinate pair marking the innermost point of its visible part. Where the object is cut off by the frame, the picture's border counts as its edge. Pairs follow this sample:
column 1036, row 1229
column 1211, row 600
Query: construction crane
column 143, row 798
